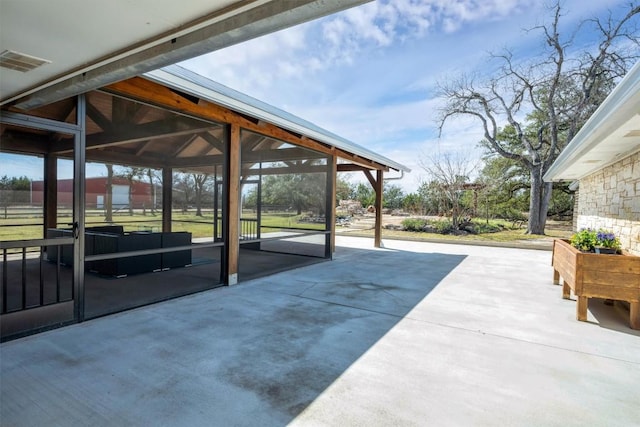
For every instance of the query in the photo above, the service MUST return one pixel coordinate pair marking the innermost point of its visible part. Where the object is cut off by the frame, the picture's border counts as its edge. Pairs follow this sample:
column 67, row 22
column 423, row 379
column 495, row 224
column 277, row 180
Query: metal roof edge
column 585, row 139
column 195, row 84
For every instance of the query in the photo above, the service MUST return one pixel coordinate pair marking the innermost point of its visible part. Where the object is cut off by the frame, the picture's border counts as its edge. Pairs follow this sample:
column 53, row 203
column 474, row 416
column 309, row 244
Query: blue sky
column 369, row 73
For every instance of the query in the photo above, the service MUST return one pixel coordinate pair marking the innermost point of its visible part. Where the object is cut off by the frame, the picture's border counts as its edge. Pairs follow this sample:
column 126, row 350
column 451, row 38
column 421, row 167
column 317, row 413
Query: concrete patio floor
column 412, row 334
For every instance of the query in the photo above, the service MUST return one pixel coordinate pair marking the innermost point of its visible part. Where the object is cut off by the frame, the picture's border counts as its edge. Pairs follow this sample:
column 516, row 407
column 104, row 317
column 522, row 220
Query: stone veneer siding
column 610, row 199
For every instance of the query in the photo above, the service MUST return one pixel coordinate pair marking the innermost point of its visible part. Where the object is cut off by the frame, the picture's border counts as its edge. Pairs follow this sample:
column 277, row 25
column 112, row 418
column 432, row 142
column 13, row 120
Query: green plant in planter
column 585, row 240
column 606, row 239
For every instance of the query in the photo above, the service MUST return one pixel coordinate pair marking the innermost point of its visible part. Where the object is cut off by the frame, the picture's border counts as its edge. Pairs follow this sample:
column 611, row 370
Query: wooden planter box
column 591, row 275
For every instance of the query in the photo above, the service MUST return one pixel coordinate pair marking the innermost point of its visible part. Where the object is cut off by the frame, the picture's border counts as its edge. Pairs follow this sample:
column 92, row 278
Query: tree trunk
column 546, row 198
column 131, row 197
column 108, row 202
column 198, row 201
column 455, row 215
column 153, row 191
column 538, row 203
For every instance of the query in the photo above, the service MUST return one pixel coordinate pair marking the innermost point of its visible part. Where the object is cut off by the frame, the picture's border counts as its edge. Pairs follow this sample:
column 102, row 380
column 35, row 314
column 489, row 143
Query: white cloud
column 369, row 73
column 341, row 39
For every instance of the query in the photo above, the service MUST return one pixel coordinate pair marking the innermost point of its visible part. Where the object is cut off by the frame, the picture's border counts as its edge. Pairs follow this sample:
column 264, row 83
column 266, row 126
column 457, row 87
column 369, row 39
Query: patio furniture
column 112, row 239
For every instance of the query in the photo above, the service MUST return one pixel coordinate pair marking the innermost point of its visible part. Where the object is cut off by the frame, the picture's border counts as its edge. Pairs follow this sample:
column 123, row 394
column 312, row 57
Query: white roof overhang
column 194, row 84
column 87, row 44
column 611, row 134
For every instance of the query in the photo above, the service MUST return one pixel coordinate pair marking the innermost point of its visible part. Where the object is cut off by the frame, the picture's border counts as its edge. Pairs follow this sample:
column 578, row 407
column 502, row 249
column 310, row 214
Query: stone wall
column 610, row 199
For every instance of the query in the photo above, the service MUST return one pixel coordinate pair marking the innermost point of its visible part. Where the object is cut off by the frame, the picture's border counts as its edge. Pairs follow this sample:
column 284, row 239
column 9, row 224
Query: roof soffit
column 93, row 43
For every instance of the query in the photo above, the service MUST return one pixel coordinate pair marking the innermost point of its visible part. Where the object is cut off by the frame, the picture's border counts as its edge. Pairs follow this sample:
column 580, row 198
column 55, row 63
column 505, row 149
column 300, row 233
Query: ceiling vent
column 20, row 61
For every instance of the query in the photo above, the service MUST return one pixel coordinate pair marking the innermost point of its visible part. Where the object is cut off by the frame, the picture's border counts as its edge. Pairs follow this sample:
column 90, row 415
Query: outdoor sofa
column 113, row 239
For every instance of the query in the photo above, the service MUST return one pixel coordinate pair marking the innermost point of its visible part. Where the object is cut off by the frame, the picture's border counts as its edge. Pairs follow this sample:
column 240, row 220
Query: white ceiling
column 611, row 134
column 90, row 39
column 72, row 34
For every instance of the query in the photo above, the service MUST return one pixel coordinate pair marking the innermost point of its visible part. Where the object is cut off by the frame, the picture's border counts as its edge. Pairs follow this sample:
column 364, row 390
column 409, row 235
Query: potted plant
column 591, row 275
column 585, row 240
column 606, row 242
column 600, row 242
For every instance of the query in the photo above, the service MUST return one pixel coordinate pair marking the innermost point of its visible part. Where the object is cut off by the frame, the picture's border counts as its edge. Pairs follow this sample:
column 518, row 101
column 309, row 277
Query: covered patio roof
column 51, row 50
column 611, row 134
column 188, row 131
column 201, row 87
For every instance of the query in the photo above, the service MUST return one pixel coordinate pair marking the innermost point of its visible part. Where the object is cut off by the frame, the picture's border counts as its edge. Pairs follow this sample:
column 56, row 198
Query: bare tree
column 199, row 184
column 131, row 173
column 108, row 203
column 530, row 111
column 182, row 190
column 451, row 171
column 153, row 176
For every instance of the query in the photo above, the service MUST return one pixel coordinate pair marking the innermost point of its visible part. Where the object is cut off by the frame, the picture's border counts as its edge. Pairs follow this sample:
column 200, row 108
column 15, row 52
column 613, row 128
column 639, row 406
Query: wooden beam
column 203, row 151
column 332, row 177
column 350, row 167
column 156, row 94
column 184, row 146
column 98, row 118
column 251, row 141
column 185, row 162
column 232, row 208
column 377, row 240
column 22, row 142
column 174, row 126
column 281, row 155
column 268, row 143
column 213, row 141
column 124, row 158
column 145, row 145
column 251, row 157
column 370, row 177
column 68, row 113
column 297, row 169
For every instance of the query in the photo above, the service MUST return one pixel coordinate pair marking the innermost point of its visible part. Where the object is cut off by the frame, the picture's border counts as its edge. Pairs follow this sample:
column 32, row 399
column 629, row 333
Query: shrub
column 414, row 224
column 585, row 240
column 442, row 227
column 483, row 228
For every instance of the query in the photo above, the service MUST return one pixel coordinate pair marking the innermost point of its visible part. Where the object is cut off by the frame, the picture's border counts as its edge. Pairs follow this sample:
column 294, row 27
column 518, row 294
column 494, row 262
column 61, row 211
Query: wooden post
column 332, row 178
column 167, row 198
column 581, row 309
column 634, row 315
column 556, row 277
column 566, row 290
column 232, row 205
column 379, row 187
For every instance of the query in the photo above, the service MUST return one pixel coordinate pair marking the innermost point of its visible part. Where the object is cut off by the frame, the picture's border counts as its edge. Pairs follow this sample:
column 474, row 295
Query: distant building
column 142, row 193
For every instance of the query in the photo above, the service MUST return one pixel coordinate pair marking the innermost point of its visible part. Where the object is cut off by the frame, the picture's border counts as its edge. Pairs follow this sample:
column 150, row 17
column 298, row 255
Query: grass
column 202, row 226
column 554, row 229
column 198, row 226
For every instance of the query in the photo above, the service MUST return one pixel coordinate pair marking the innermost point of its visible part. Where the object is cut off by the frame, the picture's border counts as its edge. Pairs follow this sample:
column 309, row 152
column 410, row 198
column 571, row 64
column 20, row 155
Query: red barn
column 142, row 193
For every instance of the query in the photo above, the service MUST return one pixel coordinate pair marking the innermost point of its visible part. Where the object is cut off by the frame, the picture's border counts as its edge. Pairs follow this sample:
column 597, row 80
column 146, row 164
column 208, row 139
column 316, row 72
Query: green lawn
column 198, row 226
column 31, row 228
